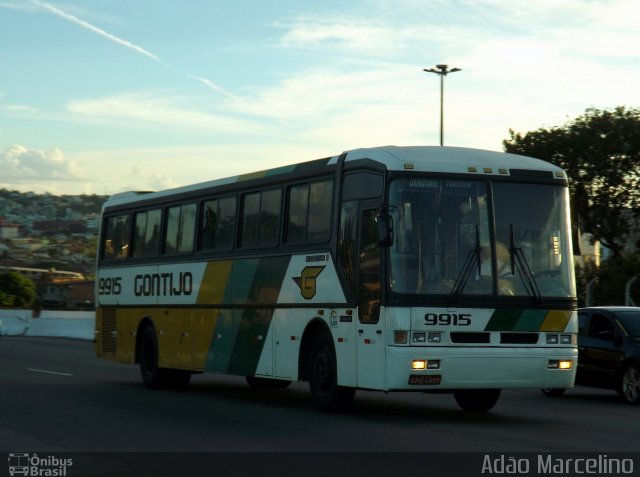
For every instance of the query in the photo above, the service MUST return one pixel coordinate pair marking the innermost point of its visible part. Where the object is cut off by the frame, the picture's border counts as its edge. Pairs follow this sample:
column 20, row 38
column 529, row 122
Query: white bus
column 432, row 269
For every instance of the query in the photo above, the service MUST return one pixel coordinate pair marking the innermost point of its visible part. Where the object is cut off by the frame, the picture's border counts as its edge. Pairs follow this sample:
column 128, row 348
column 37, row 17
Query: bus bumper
column 480, row 368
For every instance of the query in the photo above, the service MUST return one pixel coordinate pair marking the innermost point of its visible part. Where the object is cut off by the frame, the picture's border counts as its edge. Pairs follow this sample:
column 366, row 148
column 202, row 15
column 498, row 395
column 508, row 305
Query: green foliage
column 16, row 290
column 610, row 281
column 600, row 151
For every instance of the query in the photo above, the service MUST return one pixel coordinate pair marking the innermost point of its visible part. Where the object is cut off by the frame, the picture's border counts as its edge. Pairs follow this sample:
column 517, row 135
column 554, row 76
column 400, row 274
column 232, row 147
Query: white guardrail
column 53, row 323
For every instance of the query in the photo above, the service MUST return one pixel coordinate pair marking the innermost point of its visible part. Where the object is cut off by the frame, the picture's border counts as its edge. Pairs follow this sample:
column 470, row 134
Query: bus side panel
column 239, row 340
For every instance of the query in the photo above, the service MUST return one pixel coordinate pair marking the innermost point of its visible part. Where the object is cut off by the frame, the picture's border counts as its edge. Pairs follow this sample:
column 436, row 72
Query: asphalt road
column 57, row 397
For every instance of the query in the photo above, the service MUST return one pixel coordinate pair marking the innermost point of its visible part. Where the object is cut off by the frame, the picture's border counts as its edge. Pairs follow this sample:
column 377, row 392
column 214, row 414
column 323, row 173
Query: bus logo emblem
column 307, row 281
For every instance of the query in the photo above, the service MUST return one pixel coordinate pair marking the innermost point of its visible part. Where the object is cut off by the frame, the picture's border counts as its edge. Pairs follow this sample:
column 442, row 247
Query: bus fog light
column 434, row 337
column 419, row 364
column 565, row 364
column 552, row 339
column 419, row 337
column 400, row 336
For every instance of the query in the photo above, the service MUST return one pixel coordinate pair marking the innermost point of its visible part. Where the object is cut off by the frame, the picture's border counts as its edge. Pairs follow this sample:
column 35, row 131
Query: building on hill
column 58, row 289
column 9, row 230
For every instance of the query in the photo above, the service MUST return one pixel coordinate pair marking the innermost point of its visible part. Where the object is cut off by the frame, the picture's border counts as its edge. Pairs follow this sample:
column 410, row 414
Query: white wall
column 64, row 324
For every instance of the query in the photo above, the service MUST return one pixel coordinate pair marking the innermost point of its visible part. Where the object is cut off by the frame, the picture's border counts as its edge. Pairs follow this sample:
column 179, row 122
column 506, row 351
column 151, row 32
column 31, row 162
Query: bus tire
column 326, row 395
column 255, row 382
column 477, row 400
column 153, row 376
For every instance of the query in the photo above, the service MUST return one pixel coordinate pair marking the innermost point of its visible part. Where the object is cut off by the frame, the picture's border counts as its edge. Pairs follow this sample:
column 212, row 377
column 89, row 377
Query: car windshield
column 630, row 320
column 443, row 238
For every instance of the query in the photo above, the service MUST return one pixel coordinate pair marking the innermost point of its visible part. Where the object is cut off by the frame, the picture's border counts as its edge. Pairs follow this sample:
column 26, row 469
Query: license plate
column 425, row 379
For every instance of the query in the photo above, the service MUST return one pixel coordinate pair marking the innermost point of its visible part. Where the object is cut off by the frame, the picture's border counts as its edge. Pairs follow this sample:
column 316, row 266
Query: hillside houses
column 50, row 233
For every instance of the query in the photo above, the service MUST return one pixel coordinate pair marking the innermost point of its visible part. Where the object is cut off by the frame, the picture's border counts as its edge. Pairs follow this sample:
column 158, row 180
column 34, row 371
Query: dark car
column 608, row 351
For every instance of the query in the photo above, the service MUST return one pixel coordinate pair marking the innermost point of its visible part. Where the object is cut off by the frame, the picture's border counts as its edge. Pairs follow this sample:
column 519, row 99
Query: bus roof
column 448, row 159
column 442, row 159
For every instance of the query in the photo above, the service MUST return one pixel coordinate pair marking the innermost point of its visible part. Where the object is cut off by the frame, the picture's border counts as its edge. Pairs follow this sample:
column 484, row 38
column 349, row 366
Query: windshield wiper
column 467, row 268
column 519, row 262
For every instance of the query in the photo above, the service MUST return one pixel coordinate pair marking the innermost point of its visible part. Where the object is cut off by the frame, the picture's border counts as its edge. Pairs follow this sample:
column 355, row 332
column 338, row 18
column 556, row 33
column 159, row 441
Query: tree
column 600, row 151
column 16, row 290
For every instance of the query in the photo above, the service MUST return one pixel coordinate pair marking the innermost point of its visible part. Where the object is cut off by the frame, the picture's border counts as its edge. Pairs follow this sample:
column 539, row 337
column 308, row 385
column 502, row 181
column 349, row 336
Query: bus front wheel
column 323, row 377
column 477, row 400
column 153, row 376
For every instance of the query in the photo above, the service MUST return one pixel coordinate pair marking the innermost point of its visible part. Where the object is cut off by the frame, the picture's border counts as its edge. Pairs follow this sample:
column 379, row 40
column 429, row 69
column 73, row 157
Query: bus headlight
column 420, row 337
column 553, row 338
column 434, row 337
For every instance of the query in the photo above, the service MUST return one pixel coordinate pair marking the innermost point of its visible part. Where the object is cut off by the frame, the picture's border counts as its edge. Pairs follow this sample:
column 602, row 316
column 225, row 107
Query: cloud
column 18, row 109
column 148, row 180
column 143, row 110
column 318, row 92
column 354, row 35
column 20, row 164
column 127, row 44
column 84, row 24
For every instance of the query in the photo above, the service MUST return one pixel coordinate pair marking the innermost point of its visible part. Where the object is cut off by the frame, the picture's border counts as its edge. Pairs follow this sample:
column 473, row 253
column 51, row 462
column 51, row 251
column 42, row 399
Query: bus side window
column 347, row 243
column 369, row 283
column 309, row 212
column 146, row 235
column 180, row 233
column 297, row 214
column 320, row 200
column 269, row 217
column 218, row 224
column 260, row 218
column 116, row 238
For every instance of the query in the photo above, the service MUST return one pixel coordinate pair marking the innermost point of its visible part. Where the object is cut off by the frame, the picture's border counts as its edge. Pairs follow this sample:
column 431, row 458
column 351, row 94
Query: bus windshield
column 445, row 242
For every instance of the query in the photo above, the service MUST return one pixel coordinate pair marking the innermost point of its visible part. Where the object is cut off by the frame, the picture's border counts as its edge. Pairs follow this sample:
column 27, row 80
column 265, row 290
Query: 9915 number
column 447, row 319
column 110, row 286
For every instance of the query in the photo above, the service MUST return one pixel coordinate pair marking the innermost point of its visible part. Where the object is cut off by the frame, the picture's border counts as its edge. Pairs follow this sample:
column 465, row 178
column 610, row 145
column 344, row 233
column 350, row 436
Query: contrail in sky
column 99, row 31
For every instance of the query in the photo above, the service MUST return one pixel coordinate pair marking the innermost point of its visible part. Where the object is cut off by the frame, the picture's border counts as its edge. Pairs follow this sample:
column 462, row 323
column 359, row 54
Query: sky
column 101, row 96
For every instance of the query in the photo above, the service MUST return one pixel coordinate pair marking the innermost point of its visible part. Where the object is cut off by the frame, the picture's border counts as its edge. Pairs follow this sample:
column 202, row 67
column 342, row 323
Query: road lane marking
column 48, row 372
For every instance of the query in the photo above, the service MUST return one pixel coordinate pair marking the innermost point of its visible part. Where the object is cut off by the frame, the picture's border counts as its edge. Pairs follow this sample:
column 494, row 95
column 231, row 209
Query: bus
column 424, row 268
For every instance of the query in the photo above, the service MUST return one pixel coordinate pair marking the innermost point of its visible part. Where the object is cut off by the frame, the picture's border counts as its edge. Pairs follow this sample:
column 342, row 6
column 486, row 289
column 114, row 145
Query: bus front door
column 370, row 328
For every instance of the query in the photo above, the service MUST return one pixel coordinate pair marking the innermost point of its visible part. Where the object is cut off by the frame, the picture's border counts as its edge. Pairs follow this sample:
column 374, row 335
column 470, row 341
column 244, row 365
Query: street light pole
column 442, row 71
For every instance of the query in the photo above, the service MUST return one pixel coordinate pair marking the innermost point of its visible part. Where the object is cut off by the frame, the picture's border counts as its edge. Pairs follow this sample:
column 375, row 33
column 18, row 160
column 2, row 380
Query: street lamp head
column 442, row 70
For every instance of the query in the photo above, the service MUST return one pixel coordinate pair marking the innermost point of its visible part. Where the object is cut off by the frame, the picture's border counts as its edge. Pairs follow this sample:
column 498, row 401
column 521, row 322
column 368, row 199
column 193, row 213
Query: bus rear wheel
column 477, row 400
column 323, row 377
column 153, row 376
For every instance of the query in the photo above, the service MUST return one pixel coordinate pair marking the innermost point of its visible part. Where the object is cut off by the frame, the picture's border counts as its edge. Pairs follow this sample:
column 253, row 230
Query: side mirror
column 385, row 230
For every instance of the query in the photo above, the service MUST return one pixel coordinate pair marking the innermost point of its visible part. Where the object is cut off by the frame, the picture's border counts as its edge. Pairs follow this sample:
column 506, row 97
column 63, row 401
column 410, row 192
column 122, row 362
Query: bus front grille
column 108, row 337
column 470, row 337
column 519, row 338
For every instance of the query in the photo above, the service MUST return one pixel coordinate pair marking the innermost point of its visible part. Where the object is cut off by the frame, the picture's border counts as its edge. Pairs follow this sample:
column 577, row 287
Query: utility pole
column 442, row 71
